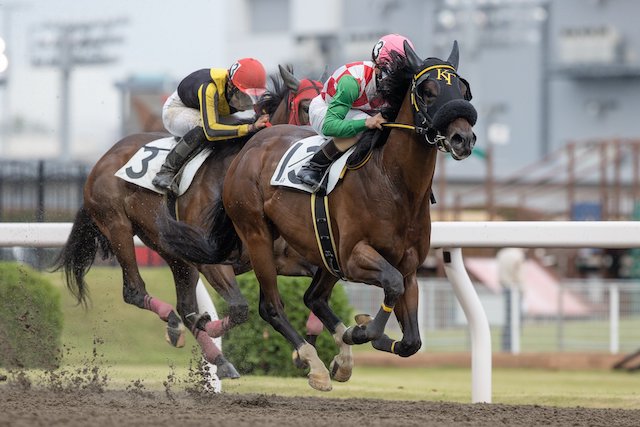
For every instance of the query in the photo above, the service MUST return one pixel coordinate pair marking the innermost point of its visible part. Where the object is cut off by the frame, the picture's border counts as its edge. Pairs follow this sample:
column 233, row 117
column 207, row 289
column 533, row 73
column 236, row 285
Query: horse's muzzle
column 461, row 144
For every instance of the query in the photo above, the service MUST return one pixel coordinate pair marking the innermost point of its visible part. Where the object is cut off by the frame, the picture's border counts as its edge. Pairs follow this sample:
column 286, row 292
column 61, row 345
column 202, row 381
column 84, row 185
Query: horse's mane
column 271, row 99
column 393, row 88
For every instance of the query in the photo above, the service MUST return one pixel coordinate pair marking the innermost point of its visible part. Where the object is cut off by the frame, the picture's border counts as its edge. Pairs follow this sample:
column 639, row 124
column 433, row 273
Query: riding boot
column 176, row 158
column 313, row 172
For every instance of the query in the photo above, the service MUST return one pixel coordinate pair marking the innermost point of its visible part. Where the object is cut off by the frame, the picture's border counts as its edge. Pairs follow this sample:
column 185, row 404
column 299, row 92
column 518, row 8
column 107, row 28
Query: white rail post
column 478, row 324
column 515, row 319
column 614, row 318
column 205, row 305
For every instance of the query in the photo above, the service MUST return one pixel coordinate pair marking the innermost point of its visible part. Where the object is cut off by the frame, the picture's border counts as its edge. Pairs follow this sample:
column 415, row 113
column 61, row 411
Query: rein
column 438, row 140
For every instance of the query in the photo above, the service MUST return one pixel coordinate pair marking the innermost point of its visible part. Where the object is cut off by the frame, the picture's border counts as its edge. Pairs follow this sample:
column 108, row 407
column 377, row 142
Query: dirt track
column 126, row 408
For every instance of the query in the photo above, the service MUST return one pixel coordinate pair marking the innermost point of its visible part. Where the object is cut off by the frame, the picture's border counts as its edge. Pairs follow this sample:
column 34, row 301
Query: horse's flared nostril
column 462, row 144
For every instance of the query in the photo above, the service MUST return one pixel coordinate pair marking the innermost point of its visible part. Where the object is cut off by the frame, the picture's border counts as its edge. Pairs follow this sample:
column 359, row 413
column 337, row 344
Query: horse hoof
column 363, row 319
column 340, row 373
column 226, row 369
column 175, row 331
column 355, row 335
column 297, row 361
column 320, row 382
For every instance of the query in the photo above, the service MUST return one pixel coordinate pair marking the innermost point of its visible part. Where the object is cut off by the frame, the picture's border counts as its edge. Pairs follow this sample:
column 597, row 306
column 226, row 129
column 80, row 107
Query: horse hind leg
column 271, row 309
column 317, row 299
column 134, row 289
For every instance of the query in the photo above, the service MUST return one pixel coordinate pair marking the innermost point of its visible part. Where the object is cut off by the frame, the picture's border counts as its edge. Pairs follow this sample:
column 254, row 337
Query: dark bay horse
column 114, row 211
column 380, row 214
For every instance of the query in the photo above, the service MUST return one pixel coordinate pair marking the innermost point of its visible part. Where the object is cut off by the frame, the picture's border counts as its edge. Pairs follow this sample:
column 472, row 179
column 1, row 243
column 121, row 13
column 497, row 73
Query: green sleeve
column 347, row 92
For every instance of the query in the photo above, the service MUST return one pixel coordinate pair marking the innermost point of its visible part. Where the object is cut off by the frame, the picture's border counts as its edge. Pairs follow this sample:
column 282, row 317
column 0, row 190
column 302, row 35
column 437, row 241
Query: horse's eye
column 430, row 91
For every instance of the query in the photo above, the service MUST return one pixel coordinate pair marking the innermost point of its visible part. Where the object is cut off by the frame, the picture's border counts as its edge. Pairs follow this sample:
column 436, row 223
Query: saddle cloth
column 298, row 155
column 146, row 162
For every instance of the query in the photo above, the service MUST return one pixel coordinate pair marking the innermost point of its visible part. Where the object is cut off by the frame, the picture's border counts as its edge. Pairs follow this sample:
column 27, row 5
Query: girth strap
column 324, row 235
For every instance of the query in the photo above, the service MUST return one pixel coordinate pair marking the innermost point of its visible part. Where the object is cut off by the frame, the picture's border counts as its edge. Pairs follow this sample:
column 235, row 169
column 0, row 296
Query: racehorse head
column 288, row 101
column 440, row 101
column 302, row 92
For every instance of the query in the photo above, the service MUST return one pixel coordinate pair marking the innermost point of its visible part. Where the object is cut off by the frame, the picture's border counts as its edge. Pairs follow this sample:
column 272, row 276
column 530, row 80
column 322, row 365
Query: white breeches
column 177, row 118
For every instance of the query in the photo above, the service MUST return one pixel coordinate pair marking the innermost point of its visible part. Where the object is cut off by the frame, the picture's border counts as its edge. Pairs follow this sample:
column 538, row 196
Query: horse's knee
column 408, row 348
column 133, row 296
column 238, row 313
column 393, row 286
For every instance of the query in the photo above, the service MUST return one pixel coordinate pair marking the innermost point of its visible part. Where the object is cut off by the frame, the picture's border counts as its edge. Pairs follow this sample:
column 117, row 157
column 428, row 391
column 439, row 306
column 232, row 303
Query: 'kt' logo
column 444, row 74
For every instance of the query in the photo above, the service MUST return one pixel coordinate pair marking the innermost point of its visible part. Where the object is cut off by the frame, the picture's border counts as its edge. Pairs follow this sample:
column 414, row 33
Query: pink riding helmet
column 387, row 44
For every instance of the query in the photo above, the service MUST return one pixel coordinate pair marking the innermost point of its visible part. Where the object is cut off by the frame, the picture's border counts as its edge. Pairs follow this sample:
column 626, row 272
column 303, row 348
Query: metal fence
column 35, row 191
column 611, row 322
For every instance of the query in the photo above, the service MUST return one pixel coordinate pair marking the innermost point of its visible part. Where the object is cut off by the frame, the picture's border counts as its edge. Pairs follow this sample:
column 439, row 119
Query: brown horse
column 114, row 211
column 380, row 214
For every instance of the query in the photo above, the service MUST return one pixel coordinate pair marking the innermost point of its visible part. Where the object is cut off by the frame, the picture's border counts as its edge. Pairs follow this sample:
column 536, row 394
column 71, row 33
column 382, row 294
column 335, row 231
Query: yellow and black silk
column 205, row 90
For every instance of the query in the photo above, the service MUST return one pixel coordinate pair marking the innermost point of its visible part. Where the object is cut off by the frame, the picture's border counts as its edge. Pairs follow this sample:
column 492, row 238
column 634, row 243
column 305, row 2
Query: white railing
column 450, row 237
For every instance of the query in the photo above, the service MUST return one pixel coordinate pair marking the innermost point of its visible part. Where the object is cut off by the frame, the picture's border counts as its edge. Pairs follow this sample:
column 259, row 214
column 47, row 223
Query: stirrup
column 165, row 182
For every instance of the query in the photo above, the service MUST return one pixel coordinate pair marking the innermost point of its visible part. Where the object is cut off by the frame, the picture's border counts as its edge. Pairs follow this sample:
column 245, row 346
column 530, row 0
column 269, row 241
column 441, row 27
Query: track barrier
column 449, row 238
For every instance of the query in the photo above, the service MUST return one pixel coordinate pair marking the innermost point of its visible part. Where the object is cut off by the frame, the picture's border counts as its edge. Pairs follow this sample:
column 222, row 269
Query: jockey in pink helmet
column 381, row 52
column 347, row 106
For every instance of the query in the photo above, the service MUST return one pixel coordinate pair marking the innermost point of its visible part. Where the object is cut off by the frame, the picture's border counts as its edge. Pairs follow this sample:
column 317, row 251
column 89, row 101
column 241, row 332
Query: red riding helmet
column 381, row 52
column 249, row 76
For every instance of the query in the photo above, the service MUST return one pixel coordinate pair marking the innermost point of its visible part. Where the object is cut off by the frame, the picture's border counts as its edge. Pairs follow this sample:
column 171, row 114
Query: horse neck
column 408, row 158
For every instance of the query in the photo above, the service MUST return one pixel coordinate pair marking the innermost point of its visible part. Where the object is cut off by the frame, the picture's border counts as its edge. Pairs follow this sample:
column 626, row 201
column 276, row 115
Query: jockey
column 347, row 106
column 194, row 111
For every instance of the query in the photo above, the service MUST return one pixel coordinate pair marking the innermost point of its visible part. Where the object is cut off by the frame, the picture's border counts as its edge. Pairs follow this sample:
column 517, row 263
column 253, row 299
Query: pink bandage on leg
column 217, row 328
column 314, row 325
column 209, row 350
column 161, row 308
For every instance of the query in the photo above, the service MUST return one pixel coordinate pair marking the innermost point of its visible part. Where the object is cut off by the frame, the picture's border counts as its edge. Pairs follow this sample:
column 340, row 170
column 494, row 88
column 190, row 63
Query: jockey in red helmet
column 194, row 111
column 347, row 106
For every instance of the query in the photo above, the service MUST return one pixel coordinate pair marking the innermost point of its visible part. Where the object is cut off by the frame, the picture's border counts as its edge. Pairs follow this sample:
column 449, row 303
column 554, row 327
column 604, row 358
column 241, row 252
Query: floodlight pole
column 72, row 45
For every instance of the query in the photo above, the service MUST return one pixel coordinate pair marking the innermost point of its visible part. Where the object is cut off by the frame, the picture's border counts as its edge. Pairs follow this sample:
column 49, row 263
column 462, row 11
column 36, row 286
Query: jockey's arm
column 347, row 92
column 214, row 130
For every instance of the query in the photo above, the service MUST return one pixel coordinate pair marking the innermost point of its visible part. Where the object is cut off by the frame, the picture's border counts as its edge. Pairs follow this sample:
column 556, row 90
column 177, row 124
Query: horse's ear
column 412, row 57
column 288, row 77
column 325, row 74
column 454, row 56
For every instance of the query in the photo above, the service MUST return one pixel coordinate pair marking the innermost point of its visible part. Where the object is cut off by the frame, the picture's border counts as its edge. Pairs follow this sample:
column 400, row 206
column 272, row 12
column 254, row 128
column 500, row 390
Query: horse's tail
column 78, row 254
column 188, row 243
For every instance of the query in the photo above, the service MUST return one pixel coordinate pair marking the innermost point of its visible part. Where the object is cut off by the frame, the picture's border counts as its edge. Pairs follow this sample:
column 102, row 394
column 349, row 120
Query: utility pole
column 69, row 45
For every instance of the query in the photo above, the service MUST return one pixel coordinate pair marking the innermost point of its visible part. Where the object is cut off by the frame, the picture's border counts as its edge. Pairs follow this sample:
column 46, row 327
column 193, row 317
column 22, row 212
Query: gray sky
column 162, row 37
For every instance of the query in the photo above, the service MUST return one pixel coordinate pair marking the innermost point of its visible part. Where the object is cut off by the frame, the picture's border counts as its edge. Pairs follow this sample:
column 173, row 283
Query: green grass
column 133, row 348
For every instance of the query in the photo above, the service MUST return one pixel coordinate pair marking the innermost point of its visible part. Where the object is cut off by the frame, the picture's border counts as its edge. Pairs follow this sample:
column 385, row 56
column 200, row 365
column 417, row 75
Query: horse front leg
column 406, row 311
column 366, row 265
column 317, row 299
column 222, row 279
column 186, row 279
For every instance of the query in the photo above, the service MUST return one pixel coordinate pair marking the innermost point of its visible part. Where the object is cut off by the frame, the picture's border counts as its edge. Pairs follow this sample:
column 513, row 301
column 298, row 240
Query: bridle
column 424, row 122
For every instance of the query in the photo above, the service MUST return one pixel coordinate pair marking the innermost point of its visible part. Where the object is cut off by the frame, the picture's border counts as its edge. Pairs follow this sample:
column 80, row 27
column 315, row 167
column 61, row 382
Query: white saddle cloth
column 298, row 155
column 146, row 162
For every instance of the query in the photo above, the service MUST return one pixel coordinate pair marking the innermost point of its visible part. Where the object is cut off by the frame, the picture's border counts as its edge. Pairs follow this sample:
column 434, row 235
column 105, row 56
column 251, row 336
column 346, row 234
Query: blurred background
column 556, row 84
